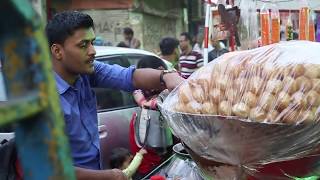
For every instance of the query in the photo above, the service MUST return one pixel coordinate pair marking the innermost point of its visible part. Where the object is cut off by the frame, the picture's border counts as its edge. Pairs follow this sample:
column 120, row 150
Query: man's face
column 127, row 36
column 184, row 43
column 78, row 52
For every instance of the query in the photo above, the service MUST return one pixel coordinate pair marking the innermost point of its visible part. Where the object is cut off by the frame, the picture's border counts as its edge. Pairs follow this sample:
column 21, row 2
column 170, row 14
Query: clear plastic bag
column 248, row 26
column 250, row 108
column 181, row 169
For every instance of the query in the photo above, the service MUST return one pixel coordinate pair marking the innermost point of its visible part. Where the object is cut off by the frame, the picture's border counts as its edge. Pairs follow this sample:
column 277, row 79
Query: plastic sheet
column 304, row 14
column 265, row 24
column 251, row 108
column 275, row 23
column 182, row 169
column 249, row 27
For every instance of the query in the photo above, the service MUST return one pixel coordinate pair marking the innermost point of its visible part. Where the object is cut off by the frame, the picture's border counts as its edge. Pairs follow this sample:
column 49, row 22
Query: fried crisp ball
column 180, row 107
column 290, row 116
column 225, row 108
column 185, row 94
column 297, row 70
column 312, row 71
column 316, row 84
column 222, row 82
column 193, row 107
column 290, row 85
column 313, row 98
column 304, row 84
column 204, row 84
column 198, row 94
column 257, row 114
column 256, row 85
column 274, row 86
column 231, row 95
column 266, row 101
column 283, row 100
column 307, row 116
column 272, row 116
column 216, row 95
column 250, row 99
column 241, row 110
column 240, row 84
column 209, row 108
column 299, row 100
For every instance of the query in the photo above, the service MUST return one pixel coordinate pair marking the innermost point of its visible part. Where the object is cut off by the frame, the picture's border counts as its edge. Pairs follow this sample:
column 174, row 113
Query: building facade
column 150, row 19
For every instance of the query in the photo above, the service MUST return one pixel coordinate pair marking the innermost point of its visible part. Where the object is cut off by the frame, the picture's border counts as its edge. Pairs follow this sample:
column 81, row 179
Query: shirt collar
column 62, row 85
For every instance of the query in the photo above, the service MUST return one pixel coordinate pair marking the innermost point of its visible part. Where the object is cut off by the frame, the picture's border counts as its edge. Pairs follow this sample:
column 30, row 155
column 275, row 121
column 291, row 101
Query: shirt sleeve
column 199, row 60
column 112, row 76
column 133, row 166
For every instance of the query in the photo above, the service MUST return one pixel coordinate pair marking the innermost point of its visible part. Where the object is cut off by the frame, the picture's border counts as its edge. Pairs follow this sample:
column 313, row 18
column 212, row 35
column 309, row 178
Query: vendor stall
column 253, row 114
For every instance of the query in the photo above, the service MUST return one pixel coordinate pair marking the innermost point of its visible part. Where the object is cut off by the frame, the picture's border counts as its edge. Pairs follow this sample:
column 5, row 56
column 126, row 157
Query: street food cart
column 239, row 117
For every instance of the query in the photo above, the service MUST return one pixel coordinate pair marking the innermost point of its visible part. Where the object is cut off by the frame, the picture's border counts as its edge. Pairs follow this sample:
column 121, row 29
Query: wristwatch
column 162, row 82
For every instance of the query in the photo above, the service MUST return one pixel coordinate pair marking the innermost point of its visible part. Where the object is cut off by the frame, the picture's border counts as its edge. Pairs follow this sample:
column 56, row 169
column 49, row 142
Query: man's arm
column 147, row 78
column 114, row 174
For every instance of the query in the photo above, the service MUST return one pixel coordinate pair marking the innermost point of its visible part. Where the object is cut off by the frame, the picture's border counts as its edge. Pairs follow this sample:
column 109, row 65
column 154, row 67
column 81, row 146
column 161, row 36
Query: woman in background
column 146, row 99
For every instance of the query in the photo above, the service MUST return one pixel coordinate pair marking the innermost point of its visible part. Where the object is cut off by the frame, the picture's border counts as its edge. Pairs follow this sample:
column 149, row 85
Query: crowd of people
column 184, row 53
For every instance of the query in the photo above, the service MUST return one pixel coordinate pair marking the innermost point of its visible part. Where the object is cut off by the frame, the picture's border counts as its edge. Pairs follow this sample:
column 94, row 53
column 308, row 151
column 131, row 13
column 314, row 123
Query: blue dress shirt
column 78, row 104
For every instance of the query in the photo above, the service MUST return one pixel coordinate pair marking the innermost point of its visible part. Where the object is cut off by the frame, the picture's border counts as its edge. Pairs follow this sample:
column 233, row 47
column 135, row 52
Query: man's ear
column 56, row 51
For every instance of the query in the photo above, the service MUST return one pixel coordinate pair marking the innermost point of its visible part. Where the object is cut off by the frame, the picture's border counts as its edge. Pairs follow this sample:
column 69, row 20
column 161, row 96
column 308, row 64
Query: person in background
column 70, row 35
column 129, row 40
column 190, row 60
column 146, row 99
column 122, row 159
column 196, row 45
column 169, row 48
column 218, row 47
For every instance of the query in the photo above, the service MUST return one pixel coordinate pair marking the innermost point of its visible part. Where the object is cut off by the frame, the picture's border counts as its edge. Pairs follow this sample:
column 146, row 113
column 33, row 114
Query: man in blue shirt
column 71, row 37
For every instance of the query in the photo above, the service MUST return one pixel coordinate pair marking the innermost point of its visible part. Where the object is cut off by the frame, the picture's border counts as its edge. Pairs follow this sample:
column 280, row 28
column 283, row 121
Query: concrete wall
column 150, row 19
column 109, row 23
column 155, row 28
column 149, row 29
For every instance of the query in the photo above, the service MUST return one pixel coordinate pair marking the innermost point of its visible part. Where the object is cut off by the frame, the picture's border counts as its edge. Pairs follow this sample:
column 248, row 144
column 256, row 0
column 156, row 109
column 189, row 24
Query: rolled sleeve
column 112, row 76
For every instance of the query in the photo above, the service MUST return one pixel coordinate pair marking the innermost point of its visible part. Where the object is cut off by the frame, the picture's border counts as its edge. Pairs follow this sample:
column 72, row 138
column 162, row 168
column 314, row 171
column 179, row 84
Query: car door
column 115, row 109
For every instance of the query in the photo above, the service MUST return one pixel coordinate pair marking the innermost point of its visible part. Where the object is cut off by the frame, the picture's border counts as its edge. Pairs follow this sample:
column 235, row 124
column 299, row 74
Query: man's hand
column 172, row 80
column 118, row 175
column 114, row 174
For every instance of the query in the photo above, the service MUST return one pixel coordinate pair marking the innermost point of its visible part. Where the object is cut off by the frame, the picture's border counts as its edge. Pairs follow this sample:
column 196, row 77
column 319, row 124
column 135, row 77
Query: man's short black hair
column 151, row 62
column 122, row 44
column 168, row 45
column 128, row 31
column 64, row 24
column 118, row 157
column 187, row 35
